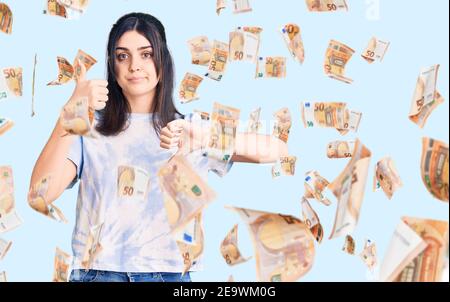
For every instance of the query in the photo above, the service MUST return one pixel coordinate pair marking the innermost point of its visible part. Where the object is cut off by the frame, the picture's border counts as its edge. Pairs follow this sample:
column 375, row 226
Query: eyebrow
column 140, row 48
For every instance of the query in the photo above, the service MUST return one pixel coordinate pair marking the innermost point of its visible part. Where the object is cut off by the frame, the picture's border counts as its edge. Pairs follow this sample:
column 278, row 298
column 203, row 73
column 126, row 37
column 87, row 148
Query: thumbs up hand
column 95, row 90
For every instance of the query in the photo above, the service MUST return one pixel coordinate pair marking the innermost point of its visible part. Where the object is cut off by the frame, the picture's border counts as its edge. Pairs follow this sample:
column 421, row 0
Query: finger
column 170, row 134
column 98, row 99
column 173, row 142
column 175, row 126
column 101, row 97
column 80, row 72
column 165, row 146
column 166, row 140
column 99, row 105
column 101, row 83
column 100, row 90
column 167, row 133
column 103, row 90
column 178, row 134
column 176, row 131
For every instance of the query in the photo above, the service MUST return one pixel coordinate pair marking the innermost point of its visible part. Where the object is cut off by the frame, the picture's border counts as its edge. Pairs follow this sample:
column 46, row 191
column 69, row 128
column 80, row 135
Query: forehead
column 132, row 40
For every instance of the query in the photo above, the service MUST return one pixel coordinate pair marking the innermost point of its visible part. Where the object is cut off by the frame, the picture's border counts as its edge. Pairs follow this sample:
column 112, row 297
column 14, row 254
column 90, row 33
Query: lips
column 136, row 79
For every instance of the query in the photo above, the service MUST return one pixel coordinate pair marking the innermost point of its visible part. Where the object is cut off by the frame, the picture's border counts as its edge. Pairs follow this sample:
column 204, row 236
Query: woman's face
column 135, row 69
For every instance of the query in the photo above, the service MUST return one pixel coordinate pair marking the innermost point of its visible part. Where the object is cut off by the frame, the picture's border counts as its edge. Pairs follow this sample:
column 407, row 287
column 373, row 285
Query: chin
column 134, row 92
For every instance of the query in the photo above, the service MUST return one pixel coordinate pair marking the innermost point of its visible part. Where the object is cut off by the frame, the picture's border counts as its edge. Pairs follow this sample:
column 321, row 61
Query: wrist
column 199, row 137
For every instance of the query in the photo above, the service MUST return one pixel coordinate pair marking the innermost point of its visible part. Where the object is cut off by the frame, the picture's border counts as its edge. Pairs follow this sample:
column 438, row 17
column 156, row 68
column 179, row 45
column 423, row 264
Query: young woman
column 136, row 126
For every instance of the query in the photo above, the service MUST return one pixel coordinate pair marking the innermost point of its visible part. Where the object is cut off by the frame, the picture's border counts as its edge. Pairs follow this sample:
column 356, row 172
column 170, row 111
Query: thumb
column 80, row 71
column 176, row 126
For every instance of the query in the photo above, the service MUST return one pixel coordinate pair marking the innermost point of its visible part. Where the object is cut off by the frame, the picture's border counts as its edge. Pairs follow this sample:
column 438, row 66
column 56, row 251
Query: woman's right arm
column 53, row 160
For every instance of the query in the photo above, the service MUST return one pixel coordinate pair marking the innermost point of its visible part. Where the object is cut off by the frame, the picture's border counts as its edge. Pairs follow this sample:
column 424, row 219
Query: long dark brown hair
column 113, row 118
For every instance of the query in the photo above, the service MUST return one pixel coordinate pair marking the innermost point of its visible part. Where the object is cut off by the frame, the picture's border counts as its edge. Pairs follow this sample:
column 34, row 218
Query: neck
column 141, row 103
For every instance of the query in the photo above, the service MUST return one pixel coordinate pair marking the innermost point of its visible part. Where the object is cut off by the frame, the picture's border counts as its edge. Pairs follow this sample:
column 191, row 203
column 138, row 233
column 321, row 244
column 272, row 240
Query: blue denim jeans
column 105, row 276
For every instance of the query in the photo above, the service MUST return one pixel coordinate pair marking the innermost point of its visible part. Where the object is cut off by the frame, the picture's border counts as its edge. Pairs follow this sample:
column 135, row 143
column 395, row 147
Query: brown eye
column 147, row 55
column 122, row 56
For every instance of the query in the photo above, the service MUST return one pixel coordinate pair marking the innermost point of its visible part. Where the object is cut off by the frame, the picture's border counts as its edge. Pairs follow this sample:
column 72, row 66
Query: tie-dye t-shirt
column 135, row 236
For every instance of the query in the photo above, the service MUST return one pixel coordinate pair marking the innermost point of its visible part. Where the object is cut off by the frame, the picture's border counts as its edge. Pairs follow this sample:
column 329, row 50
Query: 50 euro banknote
column 330, row 115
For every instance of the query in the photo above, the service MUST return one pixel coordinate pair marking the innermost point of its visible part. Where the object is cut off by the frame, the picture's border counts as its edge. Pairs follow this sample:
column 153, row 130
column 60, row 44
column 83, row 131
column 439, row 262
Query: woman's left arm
column 249, row 147
column 258, row 148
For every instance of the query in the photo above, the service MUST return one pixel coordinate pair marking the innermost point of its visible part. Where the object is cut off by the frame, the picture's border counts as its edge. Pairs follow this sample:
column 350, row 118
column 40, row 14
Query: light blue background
column 417, row 30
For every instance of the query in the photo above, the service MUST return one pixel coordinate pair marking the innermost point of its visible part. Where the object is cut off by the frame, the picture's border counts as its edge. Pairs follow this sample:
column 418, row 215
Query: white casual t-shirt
column 136, row 234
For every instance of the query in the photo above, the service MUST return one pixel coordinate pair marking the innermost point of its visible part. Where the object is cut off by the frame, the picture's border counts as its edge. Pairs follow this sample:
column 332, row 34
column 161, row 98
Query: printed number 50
column 128, row 191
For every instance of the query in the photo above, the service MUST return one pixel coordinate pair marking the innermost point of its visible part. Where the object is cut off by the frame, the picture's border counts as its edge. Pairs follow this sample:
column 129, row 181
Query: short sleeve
column 75, row 155
column 219, row 167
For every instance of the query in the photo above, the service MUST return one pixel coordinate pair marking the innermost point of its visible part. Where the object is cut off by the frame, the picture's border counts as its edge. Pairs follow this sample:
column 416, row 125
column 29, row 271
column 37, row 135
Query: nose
column 135, row 65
